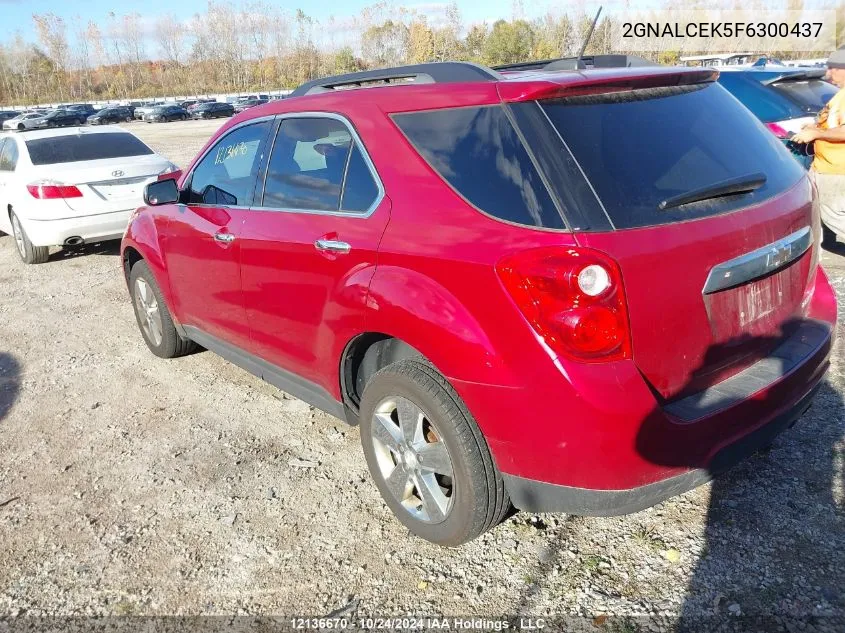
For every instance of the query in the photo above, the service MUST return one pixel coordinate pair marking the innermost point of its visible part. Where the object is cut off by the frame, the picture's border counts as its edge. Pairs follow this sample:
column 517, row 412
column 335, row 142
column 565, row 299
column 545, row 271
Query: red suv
column 566, row 290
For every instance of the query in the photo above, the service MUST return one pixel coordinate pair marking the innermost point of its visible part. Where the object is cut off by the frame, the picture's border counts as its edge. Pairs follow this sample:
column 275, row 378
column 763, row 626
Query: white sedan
column 72, row 185
column 24, row 121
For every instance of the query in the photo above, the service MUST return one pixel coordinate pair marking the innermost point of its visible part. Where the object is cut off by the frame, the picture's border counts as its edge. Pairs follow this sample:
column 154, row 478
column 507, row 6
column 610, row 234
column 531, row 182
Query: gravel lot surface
column 134, row 485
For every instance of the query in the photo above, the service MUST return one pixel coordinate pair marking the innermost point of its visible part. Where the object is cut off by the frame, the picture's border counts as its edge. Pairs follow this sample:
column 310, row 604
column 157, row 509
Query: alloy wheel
column 413, row 459
column 149, row 314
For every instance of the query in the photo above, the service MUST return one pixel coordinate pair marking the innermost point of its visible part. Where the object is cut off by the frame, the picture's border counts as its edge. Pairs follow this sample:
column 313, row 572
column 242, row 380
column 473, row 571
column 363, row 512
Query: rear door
column 310, row 248
column 712, row 284
column 204, row 239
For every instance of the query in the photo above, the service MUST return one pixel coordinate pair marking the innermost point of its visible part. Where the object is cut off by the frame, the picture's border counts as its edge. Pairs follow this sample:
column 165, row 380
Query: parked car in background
column 85, row 108
column 5, row 115
column 624, row 299
column 165, row 113
column 117, row 114
column 193, row 103
column 24, row 121
column 784, row 98
column 142, row 110
column 60, row 118
column 212, row 110
column 67, row 187
column 251, row 103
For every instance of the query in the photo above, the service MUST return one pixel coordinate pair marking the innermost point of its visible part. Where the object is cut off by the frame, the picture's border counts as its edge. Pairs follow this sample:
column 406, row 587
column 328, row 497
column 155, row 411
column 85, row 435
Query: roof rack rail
column 573, row 63
column 434, row 72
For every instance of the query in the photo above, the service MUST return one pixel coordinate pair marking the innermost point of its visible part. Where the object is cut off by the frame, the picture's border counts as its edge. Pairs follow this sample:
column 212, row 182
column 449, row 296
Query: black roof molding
column 434, row 72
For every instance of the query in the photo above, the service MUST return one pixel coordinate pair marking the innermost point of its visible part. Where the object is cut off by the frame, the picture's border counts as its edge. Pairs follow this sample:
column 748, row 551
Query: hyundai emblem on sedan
column 117, row 173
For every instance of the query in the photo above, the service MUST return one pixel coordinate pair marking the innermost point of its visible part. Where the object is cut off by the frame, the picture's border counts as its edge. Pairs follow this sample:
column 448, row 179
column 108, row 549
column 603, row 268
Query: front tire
column 153, row 316
column 428, row 457
column 29, row 253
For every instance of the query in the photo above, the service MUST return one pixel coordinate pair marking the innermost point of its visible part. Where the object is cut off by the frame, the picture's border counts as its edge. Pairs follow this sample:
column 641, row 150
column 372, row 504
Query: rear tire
column 29, row 253
column 828, row 237
column 409, row 461
column 153, row 316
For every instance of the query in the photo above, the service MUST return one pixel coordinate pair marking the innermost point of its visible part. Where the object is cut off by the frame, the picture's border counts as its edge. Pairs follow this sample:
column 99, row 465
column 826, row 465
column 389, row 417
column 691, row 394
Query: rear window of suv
column 641, row 147
column 80, row 147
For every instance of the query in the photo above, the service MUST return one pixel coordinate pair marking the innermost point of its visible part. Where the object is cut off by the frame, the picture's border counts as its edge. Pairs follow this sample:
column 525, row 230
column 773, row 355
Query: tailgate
column 708, row 298
column 713, row 224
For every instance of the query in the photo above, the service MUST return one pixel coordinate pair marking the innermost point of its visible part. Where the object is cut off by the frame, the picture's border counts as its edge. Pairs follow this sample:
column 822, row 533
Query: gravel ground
column 133, row 485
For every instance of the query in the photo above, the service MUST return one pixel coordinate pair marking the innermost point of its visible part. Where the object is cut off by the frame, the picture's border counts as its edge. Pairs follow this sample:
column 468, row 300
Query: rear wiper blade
column 729, row 187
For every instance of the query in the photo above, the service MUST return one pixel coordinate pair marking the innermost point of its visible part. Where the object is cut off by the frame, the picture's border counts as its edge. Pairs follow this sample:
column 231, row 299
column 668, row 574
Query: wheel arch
column 362, row 357
column 141, row 243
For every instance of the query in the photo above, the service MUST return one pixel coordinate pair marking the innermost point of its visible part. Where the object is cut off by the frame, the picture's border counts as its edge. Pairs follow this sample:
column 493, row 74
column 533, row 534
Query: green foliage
column 509, row 42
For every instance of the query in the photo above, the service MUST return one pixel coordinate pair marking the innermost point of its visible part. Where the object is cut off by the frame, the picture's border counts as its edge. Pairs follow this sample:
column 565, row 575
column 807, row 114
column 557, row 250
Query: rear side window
column 359, row 190
column 80, row 147
column 811, row 94
column 307, row 165
column 642, row 147
column 317, row 165
column 477, row 151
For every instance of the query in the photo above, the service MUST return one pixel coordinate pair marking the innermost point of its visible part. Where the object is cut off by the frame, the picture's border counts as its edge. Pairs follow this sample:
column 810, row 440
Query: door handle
column 332, row 246
column 226, row 238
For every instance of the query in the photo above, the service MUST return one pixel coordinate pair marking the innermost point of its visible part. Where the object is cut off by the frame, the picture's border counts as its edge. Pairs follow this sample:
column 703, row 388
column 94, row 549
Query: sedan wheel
column 29, row 253
column 17, row 231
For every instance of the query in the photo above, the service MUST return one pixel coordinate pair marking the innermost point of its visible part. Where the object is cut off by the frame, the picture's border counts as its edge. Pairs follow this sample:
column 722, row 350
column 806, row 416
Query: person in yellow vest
column 828, row 138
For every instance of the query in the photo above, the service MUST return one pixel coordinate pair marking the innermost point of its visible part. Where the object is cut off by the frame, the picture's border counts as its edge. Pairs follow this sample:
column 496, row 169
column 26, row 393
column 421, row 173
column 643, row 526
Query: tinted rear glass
column 478, row 152
column 812, row 94
column 642, row 147
column 80, row 147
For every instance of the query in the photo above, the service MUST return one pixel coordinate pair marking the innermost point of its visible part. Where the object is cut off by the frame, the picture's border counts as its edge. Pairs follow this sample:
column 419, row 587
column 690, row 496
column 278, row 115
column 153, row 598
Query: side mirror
column 161, row 192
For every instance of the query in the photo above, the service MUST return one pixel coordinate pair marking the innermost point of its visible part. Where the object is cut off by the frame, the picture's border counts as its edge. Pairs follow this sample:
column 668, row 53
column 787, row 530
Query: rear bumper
column 593, row 438
column 538, row 496
column 91, row 228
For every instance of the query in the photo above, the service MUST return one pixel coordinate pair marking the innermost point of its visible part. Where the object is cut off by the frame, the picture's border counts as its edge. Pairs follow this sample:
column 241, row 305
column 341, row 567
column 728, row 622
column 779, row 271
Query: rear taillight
column 778, row 130
column 573, row 298
column 51, row 190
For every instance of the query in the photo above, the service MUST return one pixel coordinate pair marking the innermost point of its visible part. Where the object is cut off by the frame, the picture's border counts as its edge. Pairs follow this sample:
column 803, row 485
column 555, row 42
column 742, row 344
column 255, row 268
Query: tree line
column 256, row 46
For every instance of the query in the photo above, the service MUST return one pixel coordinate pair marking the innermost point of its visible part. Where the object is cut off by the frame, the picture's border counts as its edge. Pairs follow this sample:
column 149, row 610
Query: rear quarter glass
column 477, row 151
column 641, row 147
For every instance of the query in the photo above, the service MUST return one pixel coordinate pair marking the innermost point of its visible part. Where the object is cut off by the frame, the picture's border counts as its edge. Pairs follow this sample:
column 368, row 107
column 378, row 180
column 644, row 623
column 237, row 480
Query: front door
column 309, row 250
column 203, row 235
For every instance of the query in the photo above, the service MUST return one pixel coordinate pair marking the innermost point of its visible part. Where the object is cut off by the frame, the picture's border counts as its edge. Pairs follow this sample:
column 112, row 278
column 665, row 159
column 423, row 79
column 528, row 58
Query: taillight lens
column 51, row 190
column 573, row 298
column 778, row 130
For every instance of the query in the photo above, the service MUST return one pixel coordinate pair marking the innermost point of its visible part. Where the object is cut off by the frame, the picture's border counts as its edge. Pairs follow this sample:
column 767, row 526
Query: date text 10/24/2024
column 416, row 623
